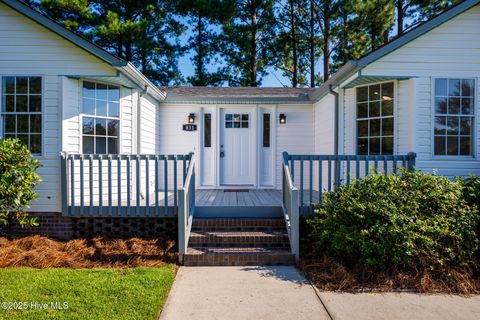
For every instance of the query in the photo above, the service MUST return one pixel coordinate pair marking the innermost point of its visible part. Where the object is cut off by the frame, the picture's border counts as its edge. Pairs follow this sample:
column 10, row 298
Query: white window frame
column 394, row 115
column 476, row 97
column 41, row 113
column 82, row 115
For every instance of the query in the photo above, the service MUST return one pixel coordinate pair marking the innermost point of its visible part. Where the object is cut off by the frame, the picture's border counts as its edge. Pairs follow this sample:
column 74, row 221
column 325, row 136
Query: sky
column 274, row 78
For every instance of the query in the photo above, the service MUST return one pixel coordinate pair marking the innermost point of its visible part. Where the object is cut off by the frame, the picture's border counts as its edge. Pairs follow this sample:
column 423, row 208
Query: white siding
column 295, row 137
column 349, row 121
column 324, row 134
column 172, row 139
column 149, row 131
column 452, row 50
column 26, row 48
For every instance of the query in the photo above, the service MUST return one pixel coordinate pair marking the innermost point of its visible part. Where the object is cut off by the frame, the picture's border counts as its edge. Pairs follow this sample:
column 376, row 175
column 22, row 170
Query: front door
column 236, row 141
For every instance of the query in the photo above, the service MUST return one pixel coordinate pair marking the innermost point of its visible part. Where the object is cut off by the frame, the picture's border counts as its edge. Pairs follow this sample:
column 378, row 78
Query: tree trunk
column 120, row 46
column 200, row 52
column 128, row 50
column 312, row 46
column 326, row 51
column 253, row 48
column 294, row 45
column 399, row 17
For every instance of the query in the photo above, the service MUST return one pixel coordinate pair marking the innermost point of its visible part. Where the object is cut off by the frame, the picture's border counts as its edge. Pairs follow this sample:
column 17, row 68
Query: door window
column 236, row 120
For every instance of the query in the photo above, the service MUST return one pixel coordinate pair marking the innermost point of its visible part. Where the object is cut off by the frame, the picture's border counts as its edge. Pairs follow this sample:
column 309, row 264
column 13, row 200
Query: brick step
column 238, row 224
column 209, row 256
column 240, row 238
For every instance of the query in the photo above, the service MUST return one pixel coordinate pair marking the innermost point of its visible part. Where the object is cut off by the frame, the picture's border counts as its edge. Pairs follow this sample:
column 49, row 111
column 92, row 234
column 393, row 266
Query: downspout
column 335, row 139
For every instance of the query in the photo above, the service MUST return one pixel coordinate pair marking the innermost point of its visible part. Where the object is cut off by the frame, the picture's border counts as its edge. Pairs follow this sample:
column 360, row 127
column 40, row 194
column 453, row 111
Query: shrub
column 18, row 178
column 471, row 190
column 414, row 220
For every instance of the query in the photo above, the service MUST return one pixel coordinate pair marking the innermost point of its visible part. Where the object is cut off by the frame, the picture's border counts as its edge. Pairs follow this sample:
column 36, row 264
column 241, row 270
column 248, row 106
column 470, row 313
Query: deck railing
column 290, row 204
column 123, row 185
column 315, row 174
column 186, row 209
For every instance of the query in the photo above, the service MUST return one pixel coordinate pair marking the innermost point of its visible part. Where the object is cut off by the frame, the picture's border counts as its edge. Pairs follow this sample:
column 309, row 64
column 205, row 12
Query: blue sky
column 273, row 79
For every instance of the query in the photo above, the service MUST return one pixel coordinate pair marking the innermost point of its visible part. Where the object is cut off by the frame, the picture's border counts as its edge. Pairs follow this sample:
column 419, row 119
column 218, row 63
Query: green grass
column 137, row 293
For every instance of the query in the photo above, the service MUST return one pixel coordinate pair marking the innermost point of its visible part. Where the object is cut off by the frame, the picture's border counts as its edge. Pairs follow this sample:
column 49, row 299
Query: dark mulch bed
column 329, row 274
column 42, row 252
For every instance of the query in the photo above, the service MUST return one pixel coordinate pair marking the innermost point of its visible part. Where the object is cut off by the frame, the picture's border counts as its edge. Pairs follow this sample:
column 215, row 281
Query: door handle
column 222, row 154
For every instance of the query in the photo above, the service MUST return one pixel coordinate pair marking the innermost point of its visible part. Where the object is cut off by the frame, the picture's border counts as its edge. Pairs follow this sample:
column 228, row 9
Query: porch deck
column 207, row 201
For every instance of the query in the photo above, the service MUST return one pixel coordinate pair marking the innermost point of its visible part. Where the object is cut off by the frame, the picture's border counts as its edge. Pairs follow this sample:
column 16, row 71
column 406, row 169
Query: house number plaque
column 189, row 127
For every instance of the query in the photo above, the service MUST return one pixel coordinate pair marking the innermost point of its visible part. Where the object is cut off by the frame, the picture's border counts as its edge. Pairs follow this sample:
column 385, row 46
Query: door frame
column 253, row 110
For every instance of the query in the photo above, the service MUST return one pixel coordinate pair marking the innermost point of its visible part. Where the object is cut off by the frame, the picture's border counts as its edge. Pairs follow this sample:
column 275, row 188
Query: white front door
column 236, row 147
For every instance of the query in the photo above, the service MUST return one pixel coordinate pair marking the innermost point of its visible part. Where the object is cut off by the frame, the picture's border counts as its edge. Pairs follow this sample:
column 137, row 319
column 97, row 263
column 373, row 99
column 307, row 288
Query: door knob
column 222, row 154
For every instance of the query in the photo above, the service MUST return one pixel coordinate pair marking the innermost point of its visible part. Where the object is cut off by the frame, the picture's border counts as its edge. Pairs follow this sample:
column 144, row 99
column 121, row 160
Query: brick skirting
column 56, row 226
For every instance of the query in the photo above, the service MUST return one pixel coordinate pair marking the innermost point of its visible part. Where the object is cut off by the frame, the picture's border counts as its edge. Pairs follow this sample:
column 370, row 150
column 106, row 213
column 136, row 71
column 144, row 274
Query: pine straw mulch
column 330, row 275
column 42, row 252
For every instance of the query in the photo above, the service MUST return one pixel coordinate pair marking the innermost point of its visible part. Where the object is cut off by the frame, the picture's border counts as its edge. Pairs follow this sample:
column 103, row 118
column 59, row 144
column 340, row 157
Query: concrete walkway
column 401, row 306
column 242, row 293
column 279, row 293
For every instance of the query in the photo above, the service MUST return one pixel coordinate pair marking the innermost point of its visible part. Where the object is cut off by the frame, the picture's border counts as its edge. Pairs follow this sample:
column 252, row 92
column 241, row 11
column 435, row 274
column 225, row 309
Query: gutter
column 336, row 171
column 336, row 126
column 142, row 81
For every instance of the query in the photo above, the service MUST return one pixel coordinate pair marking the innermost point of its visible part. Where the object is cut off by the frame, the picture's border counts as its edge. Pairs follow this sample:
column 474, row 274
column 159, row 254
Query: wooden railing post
column 64, row 182
column 295, row 223
column 182, row 245
column 411, row 160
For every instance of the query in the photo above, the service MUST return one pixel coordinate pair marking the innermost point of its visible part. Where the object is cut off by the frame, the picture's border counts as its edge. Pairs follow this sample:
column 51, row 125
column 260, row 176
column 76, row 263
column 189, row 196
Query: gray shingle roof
column 247, row 93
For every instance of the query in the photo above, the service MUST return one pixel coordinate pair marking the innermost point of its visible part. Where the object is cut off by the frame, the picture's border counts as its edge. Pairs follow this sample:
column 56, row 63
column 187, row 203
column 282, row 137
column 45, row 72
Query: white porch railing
column 186, row 209
column 291, row 208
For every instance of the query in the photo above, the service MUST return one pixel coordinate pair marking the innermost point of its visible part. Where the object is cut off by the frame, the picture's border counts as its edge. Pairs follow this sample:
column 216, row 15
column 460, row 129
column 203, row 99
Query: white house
column 60, row 93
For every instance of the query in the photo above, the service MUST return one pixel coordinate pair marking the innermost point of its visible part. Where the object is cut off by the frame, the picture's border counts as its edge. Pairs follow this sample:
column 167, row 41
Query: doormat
column 236, row 190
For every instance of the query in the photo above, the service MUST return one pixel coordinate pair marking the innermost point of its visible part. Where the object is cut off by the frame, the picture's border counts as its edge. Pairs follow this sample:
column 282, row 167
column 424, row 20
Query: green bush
column 414, row 220
column 471, row 190
column 18, row 178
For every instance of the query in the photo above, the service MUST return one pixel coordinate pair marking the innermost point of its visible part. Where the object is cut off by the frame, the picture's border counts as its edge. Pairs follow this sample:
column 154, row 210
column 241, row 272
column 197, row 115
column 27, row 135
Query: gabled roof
column 123, row 66
column 353, row 66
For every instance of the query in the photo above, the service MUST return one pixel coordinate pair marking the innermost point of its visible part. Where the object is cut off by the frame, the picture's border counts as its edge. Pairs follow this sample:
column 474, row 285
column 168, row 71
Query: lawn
column 100, row 293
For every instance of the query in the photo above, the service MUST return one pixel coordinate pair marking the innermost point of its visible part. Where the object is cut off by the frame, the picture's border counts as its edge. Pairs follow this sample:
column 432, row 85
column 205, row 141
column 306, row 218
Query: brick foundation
column 56, row 226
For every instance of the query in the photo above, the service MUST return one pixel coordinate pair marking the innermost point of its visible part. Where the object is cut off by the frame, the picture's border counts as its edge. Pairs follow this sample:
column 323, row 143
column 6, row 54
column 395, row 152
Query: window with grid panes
column 101, row 118
column 375, row 121
column 21, row 110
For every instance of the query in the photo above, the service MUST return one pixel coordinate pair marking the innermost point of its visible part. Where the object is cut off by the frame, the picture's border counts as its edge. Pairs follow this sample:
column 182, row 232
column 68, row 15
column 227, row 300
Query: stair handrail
column 290, row 206
column 186, row 208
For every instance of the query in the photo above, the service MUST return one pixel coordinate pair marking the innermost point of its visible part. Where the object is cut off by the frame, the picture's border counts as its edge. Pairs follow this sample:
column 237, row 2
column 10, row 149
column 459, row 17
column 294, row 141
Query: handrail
column 290, row 206
column 121, row 185
column 186, row 209
column 314, row 174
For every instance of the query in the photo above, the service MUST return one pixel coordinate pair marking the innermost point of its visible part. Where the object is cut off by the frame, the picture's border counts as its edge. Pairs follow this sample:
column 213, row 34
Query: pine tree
column 205, row 42
column 419, row 10
column 143, row 32
column 75, row 15
column 326, row 15
column 293, row 43
column 249, row 41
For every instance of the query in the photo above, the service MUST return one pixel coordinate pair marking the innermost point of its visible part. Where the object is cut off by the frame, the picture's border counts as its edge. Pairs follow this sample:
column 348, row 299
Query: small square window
column 440, row 125
column 88, row 127
column 374, row 92
column 440, row 144
column 374, row 109
column 362, row 110
column 454, row 88
column 441, row 105
column 453, row 105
